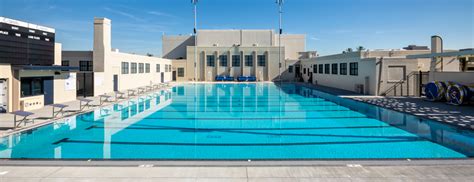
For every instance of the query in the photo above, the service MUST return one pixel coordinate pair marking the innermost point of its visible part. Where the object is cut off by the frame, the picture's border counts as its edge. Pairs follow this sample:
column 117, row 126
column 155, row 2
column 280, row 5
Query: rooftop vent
column 415, row 47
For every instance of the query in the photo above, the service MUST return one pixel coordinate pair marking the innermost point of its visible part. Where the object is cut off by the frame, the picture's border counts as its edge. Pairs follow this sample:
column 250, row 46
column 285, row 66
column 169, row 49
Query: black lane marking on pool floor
column 153, row 127
column 67, row 140
column 284, row 111
column 61, row 141
column 279, row 118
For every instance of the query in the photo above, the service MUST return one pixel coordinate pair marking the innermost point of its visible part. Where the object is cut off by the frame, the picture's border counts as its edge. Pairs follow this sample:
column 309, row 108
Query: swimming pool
column 257, row 121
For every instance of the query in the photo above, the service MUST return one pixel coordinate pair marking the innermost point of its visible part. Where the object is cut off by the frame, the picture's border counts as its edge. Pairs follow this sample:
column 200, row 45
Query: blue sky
column 330, row 25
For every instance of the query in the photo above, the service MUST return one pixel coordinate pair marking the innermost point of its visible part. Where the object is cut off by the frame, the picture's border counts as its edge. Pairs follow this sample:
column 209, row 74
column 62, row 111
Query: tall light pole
column 195, row 38
column 280, row 31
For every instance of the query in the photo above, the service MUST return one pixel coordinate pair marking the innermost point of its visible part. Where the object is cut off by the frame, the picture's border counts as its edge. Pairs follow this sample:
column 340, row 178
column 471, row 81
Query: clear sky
column 330, row 25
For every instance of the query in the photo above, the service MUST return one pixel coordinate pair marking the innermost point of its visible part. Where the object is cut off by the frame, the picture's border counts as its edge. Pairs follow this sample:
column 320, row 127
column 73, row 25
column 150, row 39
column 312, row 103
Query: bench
column 60, row 111
column 23, row 114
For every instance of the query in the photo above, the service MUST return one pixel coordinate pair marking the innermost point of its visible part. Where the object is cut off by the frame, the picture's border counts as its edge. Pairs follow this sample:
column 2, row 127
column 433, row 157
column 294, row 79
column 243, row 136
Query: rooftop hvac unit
column 359, row 88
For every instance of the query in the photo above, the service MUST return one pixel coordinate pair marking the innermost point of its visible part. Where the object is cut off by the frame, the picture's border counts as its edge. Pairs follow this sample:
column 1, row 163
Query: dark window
column 65, row 63
column 31, row 86
column 248, row 60
column 304, row 70
column 343, row 69
column 315, row 68
column 211, row 61
column 147, row 68
column 290, row 69
column 134, row 68
column 85, row 66
column 334, row 69
column 169, row 68
column 141, row 68
column 125, row 67
column 235, row 60
column 157, row 68
column 354, row 69
column 223, row 60
column 261, row 60
column 321, row 68
column 180, row 72
column 326, row 68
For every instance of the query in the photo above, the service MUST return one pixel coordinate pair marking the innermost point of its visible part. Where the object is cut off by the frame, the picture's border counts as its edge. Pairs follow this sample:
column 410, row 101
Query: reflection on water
column 240, row 121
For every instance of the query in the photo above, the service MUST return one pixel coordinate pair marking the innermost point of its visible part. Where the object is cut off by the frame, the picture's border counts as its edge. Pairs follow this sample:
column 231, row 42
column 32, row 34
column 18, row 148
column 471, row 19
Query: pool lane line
column 281, row 118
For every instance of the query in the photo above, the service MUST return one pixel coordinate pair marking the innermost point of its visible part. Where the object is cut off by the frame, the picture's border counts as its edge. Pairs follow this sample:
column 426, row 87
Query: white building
column 105, row 70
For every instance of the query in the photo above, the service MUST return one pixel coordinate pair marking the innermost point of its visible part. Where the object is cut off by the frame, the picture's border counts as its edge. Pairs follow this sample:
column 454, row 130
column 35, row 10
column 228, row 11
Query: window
column 32, row 86
column 343, row 69
column 124, row 67
column 354, row 69
column 248, row 60
column 85, row 66
column 315, row 68
column 211, row 62
column 304, row 70
column 147, row 68
column 169, row 68
column 261, row 60
column 334, row 68
column 157, row 68
column 65, row 63
column 235, row 60
column 180, row 72
column 141, row 68
column 321, row 68
column 326, row 69
column 134, row 68
column 290, row 69
column 223, row 60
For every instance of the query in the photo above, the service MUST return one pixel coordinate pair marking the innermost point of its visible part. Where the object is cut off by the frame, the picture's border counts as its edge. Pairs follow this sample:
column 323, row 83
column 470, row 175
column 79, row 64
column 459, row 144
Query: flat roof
column 26, row 25
column 443, row 54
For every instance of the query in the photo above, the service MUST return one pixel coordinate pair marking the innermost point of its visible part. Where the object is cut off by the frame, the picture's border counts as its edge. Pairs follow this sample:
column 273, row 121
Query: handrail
column 399, row 83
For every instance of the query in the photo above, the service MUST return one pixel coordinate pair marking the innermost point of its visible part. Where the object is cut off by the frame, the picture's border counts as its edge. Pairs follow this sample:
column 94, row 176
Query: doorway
column 85, row 84
column 174, row 75
column 48, row 86
column 115, row 82
column 162, row 77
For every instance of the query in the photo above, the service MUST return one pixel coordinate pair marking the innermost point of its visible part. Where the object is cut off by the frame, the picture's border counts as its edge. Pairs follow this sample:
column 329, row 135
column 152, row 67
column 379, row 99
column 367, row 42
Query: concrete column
column 436, row 47
column 242, row 63
column 204, row 70
column 217, row 64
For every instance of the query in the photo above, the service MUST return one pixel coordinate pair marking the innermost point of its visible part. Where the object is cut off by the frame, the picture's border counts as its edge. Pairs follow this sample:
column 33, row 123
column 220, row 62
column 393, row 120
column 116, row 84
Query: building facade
column 232, row 53
column 30, row 72
column 104, row 70
column 377, row 72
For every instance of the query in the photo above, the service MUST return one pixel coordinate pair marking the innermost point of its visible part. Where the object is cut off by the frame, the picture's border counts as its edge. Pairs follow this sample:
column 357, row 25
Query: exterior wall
column 366, row 72
column 229, row 38
column 181, row 64
column 129, row 81
column 205, row 73
column 75, row 56
column 293, row 43
column 6, row 72
column 375, row 68
column 174, row 47
column 61, row 94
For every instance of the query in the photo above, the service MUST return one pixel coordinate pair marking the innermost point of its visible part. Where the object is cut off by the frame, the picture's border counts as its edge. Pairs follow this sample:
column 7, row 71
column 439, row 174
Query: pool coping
column 236, row 163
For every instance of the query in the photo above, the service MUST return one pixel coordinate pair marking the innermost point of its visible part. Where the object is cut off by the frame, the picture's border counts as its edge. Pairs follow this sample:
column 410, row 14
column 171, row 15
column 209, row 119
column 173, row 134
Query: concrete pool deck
column 242, row 173
column 461, row 116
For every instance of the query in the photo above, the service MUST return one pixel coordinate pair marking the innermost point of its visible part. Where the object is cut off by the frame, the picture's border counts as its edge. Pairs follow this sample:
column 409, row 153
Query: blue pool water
column 240, row 122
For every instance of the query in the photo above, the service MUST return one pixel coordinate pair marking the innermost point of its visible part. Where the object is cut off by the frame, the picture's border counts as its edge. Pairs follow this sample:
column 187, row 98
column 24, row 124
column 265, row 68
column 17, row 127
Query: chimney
column 102, row 43
column 102, row 34
column 436, row 44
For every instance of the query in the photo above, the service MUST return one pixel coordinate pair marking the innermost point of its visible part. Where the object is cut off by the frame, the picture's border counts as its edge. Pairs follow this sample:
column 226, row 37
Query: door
column 297, row 71
column 162, row 77
column 48, row 86
column 3, row 96
column 174, row 75
column 115, row 82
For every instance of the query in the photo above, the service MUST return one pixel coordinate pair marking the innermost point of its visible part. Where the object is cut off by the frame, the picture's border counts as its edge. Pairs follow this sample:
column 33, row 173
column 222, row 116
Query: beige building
column 105, row 70
column 30, row 74
column 232, row 53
